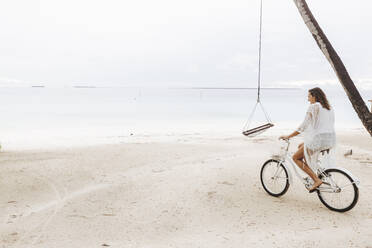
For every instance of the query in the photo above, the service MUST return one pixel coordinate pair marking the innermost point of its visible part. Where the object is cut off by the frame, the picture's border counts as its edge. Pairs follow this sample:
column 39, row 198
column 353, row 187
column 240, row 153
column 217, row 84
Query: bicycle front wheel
column 338, row 191
column 274, row 178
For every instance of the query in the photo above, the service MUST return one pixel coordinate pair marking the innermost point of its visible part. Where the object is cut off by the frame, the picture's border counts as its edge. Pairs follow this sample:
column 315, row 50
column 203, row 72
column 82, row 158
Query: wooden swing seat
column 258, row 129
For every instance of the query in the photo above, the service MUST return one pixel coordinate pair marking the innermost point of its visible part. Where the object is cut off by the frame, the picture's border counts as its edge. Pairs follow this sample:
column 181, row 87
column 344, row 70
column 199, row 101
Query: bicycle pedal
column 308, row 180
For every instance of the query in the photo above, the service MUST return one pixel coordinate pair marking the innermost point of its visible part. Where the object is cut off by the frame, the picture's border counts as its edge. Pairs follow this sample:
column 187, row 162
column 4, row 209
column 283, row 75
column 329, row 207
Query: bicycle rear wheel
column 274, row 178
column 338, row 191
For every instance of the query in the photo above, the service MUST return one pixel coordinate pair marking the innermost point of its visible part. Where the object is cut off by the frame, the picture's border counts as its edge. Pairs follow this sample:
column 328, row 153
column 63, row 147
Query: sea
column 47, row 117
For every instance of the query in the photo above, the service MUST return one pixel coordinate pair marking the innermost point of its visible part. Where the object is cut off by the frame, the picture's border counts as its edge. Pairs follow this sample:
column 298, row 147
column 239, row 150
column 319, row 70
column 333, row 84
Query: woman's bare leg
column 298, row 158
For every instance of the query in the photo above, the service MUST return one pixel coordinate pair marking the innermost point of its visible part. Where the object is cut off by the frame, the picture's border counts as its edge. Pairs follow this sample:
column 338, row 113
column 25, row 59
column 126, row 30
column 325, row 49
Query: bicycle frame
column 287, row 157
column 305, row 180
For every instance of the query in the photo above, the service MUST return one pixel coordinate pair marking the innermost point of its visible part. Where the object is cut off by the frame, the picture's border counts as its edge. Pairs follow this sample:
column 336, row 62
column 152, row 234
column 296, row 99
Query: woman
column 319, row 134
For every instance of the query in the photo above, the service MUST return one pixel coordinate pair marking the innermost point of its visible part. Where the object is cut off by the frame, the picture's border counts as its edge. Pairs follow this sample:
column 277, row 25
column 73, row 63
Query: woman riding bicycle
column 319, row 134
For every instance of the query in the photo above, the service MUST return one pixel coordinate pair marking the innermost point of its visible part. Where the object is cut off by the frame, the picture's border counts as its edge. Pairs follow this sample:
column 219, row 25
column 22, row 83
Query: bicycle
column 339, row 191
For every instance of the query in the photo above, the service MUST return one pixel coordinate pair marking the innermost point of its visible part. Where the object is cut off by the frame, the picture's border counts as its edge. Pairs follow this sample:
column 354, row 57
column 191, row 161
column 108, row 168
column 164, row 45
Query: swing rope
column 259, row 56
column 262, row 128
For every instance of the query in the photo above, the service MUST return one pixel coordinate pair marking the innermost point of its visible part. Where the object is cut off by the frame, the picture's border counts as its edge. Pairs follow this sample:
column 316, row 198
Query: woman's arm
column 307, row 121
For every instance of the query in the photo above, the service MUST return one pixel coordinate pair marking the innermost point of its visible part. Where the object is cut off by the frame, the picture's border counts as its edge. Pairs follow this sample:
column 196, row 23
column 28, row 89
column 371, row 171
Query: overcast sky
column 206, row 43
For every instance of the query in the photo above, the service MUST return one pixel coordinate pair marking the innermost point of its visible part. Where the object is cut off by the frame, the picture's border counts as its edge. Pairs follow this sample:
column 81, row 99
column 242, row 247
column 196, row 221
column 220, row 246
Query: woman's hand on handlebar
column 287, row 137
column 284, row 137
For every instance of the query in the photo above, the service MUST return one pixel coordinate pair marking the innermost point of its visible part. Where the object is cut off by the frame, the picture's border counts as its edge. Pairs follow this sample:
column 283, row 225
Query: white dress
column 319, row 132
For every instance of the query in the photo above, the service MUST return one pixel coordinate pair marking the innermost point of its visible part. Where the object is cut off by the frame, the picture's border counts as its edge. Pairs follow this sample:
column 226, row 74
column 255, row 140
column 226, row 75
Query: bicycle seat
column 324, row 151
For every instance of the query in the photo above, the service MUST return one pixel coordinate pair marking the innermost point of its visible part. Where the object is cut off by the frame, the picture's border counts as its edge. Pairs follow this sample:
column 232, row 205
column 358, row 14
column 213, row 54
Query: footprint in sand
column 226, row 183
column 211, row 193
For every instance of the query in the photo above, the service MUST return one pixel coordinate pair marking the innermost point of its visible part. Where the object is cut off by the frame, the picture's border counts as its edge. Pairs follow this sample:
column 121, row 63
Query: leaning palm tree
column 321, row 39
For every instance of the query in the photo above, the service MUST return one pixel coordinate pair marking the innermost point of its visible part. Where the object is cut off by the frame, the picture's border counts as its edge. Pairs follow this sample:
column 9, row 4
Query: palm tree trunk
column 321, row 39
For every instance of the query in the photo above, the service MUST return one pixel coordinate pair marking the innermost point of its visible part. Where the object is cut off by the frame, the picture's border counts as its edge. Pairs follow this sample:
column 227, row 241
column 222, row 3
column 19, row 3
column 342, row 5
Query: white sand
column 192, row 192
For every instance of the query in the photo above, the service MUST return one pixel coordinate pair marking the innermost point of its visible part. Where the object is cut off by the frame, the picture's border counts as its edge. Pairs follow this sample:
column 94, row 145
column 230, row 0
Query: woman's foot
column 315, row 186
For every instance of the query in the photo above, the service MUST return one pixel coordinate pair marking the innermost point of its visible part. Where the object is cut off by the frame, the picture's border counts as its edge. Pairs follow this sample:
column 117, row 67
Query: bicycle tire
column 262, row 177
column 355, row 197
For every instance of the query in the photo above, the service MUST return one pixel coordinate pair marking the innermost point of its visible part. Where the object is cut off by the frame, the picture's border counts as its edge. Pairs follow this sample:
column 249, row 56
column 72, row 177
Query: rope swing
column 260, row 129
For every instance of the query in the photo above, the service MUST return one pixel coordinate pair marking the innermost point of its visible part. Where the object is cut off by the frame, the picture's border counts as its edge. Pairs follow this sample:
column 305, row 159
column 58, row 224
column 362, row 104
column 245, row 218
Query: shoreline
column 41, row 140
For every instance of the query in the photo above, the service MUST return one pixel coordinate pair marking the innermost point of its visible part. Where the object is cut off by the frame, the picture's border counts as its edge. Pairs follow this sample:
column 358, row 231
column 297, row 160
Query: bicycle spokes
column 338, row 191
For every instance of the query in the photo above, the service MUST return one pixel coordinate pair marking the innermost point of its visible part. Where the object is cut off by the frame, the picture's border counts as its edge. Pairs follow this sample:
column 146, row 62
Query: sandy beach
column 121, row 123
column 194, row 191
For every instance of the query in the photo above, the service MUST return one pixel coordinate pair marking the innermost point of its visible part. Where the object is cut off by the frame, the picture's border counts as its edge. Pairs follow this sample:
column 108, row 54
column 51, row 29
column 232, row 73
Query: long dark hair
column 320, row 97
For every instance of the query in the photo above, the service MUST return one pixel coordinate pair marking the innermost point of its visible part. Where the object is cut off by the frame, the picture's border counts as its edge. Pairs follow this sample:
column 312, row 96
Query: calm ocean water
column 63, row 115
